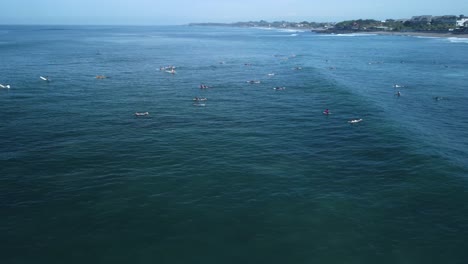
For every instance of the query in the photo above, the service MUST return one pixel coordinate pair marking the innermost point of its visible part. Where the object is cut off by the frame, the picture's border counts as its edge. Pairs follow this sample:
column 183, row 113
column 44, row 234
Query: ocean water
column 252, row 175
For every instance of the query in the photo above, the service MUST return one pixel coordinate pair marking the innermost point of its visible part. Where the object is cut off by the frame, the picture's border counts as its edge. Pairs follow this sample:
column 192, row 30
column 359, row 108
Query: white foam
column 425, row 37
column 347, row 35
column 356, row 35
column 287, row 30
column 265, row 28
column 283, row 36
column 458, row 40
column 290, row 30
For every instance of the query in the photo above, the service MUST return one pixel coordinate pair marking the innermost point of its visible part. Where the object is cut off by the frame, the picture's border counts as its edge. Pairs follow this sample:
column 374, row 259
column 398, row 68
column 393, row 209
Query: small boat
column 44, row 79
column 5, row 86
column 253, row 82
column 355, row 121
column 141, row 113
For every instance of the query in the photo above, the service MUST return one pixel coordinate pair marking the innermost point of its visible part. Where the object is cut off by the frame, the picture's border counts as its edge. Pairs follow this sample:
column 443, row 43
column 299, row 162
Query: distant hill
column 266, row 24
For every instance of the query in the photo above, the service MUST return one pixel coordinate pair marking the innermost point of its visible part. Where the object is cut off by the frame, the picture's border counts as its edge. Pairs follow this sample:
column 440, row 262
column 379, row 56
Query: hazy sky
column 173, row 12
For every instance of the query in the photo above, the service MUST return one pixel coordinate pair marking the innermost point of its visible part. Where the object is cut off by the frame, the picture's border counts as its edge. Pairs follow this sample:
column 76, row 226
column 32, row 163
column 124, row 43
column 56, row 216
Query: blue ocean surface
column 251, row 175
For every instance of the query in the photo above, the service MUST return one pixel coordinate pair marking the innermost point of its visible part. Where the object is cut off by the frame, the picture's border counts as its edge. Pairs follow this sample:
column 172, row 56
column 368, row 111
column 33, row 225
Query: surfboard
column 355, row 121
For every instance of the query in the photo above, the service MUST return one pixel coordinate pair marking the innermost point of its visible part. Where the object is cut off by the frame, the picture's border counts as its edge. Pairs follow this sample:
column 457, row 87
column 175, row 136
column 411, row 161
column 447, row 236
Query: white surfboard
column 355, row 121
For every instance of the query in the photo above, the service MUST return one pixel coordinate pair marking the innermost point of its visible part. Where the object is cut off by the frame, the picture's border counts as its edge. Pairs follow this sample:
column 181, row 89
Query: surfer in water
column 141, row 113
column 326, row 112
column 353, row 121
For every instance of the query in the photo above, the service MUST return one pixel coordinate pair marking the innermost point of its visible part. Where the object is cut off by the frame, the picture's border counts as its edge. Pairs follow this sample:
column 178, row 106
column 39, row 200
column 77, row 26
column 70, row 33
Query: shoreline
column 421, row 34
column 409, row 34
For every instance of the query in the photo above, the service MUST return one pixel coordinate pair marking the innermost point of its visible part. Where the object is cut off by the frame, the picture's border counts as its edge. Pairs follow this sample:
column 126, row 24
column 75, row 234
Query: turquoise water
column 254, row 176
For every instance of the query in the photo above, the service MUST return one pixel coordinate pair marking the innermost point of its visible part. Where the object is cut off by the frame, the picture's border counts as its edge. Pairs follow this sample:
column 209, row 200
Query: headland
column 425, row 26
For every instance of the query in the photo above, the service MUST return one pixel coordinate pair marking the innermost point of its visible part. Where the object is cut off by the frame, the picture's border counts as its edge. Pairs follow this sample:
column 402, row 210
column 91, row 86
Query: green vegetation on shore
column 417, row 23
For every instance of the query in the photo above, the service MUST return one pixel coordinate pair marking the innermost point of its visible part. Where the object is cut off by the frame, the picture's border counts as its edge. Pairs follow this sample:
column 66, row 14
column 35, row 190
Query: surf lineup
column 197, row 100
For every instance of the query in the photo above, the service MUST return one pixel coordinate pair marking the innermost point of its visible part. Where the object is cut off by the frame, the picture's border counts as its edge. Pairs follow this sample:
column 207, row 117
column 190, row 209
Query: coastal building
column 462, row 22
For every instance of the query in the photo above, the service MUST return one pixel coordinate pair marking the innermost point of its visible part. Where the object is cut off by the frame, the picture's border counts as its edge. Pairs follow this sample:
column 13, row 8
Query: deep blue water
column 255, row 175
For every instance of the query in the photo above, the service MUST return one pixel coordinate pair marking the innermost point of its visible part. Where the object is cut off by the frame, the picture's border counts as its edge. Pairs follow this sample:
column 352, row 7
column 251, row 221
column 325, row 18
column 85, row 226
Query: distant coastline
column 423, row 26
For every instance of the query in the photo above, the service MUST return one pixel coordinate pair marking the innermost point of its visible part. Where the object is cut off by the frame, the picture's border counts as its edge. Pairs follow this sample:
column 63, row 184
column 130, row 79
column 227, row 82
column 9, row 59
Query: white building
column 461, row 22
